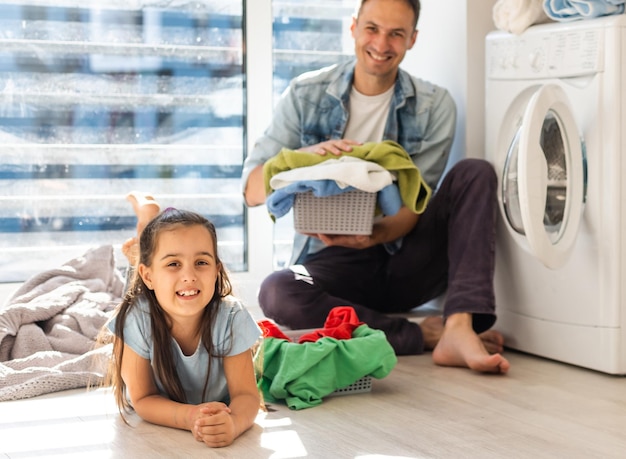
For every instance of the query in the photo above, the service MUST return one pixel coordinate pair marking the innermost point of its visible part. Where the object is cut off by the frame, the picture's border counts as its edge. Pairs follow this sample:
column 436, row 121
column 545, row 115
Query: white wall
column 450, row 52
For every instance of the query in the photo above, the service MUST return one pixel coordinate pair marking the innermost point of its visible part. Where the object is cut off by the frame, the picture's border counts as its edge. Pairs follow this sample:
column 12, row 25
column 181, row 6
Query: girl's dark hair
column 414, row 4
column 163, row 363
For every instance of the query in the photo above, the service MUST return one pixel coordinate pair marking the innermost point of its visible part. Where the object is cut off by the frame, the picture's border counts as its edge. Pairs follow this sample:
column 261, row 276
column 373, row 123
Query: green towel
column 414, row 191
column 303, row 374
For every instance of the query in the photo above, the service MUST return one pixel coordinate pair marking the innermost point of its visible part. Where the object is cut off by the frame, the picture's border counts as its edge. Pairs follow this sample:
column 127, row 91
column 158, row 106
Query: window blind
column 101, row 98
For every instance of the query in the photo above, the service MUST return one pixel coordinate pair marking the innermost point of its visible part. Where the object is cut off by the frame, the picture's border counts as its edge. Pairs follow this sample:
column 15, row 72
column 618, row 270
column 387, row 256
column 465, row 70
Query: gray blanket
column 49, row 326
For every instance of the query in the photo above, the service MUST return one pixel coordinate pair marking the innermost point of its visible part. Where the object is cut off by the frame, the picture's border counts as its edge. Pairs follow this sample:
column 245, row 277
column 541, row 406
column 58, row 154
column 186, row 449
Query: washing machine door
column 544, row 177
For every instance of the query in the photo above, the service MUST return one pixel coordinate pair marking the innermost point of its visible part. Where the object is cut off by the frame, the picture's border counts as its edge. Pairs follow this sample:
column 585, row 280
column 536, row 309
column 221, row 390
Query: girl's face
column 183, row 272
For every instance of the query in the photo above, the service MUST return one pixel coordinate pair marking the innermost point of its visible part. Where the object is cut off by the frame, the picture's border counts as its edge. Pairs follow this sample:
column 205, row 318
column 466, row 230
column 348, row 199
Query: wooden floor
column 541, row 409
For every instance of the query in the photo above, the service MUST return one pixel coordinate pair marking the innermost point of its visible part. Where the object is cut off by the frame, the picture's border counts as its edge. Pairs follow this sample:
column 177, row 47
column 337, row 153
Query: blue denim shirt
column 314, row 109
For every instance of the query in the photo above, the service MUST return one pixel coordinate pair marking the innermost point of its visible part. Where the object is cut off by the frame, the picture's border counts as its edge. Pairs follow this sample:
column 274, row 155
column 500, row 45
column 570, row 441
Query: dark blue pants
column 451, row 250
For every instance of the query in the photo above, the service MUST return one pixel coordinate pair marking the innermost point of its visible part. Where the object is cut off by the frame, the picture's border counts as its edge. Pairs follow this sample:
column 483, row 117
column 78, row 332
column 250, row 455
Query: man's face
column 383, row 33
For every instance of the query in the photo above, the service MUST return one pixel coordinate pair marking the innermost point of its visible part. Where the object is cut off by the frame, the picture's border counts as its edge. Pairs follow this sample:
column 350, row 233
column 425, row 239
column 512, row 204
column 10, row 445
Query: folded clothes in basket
column 333, row 177
column 281, row 201
column 302, row 374
column 414, row 191
column 344, row 171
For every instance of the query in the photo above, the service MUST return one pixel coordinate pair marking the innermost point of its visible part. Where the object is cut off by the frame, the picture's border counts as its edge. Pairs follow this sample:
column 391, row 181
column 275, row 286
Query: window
column 97, row 101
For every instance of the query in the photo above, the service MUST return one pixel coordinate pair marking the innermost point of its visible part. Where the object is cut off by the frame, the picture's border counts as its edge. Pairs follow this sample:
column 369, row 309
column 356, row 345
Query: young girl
column 182, row 350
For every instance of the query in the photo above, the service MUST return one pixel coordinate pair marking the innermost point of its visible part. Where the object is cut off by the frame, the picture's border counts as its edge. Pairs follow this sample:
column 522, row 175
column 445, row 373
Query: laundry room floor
column 541, row 409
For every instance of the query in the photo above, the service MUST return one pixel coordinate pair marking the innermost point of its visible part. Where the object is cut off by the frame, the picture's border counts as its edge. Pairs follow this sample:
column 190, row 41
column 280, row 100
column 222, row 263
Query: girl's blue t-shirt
column 234, row 332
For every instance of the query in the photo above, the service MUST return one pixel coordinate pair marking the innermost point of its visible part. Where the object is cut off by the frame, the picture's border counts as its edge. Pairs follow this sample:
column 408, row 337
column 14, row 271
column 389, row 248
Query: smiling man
column 409, row 258
column 381, row 39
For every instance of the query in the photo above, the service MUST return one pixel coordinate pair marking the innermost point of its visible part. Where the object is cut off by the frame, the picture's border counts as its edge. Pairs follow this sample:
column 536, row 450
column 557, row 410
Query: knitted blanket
column 49, row 326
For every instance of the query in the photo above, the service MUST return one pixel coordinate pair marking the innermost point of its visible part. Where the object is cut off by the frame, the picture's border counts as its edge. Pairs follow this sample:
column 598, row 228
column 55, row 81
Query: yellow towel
column 414, row 191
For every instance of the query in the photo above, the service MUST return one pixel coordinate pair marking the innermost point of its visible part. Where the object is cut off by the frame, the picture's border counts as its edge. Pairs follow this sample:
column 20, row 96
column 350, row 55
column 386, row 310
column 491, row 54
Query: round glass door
column 543, row 181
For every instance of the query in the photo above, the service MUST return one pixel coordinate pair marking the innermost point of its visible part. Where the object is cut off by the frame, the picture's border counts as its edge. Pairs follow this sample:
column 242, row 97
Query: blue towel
column 389, row 200
column 281, row 200
column 572, row 10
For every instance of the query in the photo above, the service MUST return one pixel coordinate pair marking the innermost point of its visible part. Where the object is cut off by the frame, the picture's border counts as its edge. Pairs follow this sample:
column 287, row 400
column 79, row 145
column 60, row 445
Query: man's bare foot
column 432, row 329
column 460, row 346
column 145, row 207
column 493, row 341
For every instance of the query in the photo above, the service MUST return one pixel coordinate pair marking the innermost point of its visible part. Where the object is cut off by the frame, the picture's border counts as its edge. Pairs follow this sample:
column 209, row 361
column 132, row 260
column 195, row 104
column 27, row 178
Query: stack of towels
column 515, row 16
column 383, row 167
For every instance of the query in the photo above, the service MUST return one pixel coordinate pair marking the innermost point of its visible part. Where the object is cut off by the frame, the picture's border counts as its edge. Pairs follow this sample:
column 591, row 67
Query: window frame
column 259, row 108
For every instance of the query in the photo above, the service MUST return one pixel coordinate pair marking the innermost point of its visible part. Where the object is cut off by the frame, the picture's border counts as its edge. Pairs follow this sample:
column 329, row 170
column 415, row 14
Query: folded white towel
column 515, row 16
column 345, row 170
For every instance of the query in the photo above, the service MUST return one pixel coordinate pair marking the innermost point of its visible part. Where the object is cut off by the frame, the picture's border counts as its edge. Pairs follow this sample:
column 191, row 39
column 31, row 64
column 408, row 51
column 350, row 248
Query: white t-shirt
column 366, row 123
column 234, row 330
column 368, row 116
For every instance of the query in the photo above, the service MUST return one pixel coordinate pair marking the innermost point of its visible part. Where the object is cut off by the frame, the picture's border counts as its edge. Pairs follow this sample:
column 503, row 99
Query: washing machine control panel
column 539, row 53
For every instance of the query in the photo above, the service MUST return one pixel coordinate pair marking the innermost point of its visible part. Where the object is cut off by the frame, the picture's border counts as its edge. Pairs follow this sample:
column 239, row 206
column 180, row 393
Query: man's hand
column 335, row 147
column 361, row 241
column 386, row 229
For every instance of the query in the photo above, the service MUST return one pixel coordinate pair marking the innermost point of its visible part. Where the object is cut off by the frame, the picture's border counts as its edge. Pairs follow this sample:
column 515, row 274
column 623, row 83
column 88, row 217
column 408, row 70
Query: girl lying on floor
column 182, row 353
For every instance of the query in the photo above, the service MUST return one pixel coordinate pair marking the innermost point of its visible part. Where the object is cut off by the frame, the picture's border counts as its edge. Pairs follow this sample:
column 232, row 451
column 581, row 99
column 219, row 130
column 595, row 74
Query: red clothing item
column 271, row 330
column 340, row 323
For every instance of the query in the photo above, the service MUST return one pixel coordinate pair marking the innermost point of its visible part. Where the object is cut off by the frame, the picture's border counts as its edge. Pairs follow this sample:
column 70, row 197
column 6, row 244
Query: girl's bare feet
column 130, row 249
column 460, row 346
column 146, row 208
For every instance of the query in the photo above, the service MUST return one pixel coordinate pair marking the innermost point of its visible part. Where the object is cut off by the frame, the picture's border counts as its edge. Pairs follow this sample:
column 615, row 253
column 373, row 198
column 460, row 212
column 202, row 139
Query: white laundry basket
column 351, row 212
column 360, row 386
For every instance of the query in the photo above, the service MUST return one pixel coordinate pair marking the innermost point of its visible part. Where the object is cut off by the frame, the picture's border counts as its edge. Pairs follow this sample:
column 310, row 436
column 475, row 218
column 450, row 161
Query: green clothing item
column 303, row 374
column 414, row 190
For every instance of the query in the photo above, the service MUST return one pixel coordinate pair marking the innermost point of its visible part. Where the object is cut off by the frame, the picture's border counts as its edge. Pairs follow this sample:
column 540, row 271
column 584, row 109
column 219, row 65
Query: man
column 409, row 259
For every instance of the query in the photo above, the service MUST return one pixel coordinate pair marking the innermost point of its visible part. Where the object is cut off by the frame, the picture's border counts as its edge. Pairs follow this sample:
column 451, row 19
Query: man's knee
column 474, row 174
column 477, row 168
column 280, row 297
column 292, row 300
column 270, row 292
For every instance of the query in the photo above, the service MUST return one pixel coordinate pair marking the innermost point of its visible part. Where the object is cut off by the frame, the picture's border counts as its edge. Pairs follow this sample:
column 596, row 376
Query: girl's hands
column 214, row 425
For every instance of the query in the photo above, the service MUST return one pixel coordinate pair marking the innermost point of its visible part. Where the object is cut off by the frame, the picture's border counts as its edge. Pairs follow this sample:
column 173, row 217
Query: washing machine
column 555, row 122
